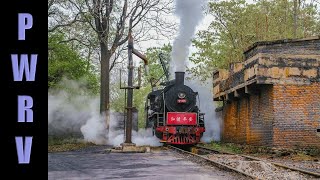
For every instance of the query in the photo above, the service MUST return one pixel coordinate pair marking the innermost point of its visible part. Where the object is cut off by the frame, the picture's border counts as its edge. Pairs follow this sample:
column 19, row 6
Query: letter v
column 24, row 152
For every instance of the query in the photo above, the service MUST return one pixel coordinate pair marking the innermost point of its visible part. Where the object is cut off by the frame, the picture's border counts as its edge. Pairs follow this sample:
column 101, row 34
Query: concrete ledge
column 130, row 148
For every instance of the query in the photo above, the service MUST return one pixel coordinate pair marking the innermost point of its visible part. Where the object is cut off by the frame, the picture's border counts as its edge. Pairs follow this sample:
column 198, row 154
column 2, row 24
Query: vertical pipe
column 124, row 112
column 130, row 91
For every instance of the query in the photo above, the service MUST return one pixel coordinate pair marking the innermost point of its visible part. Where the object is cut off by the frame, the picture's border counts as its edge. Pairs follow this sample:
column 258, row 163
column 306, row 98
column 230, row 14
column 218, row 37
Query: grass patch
column 225, row 147
column 307, row 154
column 301, row 157
column 62, row 144
column 313, row 151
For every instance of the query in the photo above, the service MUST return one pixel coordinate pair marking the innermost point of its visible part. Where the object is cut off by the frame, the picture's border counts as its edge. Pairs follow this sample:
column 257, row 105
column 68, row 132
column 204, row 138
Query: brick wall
column 249, row 119
column 234, row 122
column 285, row 116
column 283, row 108
column 261, row 117
column 297, row 116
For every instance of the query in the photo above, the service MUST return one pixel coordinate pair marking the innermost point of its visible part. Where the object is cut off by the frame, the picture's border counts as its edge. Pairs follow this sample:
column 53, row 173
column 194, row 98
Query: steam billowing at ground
column 206, row 105
column 190, row 14
column 73, row 111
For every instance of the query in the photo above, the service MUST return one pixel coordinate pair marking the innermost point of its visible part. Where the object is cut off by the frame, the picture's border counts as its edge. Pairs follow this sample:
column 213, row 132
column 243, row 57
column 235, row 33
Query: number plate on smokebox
column 181, row 100
column 181, row 118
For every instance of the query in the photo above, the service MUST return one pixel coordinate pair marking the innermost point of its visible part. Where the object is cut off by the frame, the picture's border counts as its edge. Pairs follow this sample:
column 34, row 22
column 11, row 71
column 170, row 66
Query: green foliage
column 156, row 73
column 63, row 144
column 237, row 25
column 65, row 62
column 225, row 147
column 117, row 97
column 140, row 95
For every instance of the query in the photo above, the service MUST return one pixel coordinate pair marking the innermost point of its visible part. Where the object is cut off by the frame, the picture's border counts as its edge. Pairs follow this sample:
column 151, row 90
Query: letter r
column 25, row 104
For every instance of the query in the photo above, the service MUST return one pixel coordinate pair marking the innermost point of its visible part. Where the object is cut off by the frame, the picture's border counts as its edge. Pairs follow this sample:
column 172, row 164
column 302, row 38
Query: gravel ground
column 207, row 165
column 308, row 163
column 259, row 169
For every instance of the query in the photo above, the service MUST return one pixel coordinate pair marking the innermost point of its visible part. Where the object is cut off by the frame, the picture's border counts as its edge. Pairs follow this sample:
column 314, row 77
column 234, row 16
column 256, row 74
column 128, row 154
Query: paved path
column 95, row 163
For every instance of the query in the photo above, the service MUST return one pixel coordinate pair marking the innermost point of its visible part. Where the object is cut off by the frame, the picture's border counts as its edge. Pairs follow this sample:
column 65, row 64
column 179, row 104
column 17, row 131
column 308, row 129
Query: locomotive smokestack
column 179, row 78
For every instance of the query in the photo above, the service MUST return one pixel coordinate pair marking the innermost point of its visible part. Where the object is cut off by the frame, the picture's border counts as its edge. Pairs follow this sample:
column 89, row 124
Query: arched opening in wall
column 219, row 105
column 318, row 132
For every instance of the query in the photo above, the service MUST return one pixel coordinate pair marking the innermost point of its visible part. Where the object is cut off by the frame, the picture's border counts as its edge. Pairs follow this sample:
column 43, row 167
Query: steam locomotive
column 173, row 114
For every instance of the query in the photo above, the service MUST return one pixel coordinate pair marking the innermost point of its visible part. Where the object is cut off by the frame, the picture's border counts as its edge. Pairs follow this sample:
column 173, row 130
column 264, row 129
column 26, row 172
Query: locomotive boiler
column 173, row 113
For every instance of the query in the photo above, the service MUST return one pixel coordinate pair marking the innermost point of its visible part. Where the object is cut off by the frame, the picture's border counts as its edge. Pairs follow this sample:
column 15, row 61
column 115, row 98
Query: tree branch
column 64, row 25
column 120, row 28
column 50, row 4
column 75, row 39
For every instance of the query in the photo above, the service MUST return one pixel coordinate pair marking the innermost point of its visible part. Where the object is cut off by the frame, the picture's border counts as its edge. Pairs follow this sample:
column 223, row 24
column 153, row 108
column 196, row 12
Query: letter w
column 18, row 70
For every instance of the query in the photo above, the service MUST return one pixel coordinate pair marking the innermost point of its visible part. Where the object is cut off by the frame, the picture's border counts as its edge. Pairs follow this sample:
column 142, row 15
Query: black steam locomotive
column 173, row 114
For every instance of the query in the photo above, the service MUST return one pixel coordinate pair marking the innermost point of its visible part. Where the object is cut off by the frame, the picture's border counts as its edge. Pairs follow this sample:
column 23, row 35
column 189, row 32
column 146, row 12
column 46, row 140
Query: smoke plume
column 74, row 112
column 190, row 14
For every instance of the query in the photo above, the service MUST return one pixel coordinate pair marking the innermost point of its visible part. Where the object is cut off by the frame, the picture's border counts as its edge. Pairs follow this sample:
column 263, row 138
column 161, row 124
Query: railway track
column 248, row 166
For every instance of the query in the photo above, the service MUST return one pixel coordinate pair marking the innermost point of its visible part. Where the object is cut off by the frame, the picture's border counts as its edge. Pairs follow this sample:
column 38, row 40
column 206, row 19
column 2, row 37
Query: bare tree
column 111, row 21
column 112, row 35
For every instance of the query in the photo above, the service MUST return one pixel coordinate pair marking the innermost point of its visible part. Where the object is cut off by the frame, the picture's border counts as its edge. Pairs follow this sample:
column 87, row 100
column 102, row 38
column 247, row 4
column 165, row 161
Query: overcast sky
column 143, row 46
column 202, row 26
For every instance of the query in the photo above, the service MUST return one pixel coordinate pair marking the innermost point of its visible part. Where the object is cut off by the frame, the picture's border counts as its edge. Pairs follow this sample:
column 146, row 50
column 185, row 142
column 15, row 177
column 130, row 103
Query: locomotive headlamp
column 181, row 95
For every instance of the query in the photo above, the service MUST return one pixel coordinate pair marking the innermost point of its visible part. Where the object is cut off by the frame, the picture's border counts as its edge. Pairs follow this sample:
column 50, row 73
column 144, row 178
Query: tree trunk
column 295, row 18
column 104, row 82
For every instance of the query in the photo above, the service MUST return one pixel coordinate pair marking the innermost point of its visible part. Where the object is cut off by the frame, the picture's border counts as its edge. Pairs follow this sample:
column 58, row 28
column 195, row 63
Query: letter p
column 25, row 22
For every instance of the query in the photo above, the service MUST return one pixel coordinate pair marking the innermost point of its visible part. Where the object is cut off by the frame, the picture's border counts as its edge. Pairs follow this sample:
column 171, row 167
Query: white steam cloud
column 74, row 112
column 211, row 121
column 190, row 14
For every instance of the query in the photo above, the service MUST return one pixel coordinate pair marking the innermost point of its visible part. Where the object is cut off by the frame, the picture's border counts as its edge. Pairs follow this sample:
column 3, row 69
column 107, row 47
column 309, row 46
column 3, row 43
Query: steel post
column 130, row 91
